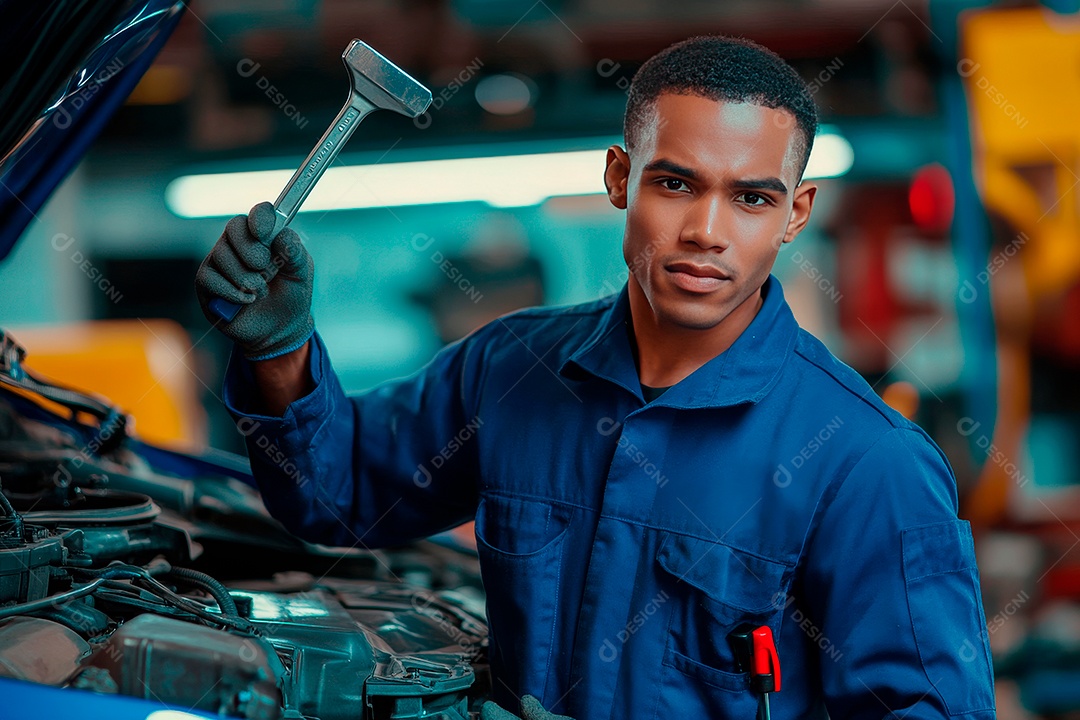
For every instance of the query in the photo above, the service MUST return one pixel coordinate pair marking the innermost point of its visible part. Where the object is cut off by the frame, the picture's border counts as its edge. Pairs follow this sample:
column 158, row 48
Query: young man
column 652, row 470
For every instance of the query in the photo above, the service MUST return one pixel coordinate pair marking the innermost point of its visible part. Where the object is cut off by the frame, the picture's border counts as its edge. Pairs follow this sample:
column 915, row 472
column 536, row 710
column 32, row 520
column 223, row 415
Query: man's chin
column 692, row 318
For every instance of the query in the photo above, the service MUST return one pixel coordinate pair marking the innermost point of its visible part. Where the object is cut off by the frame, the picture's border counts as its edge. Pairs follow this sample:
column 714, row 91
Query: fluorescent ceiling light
column 832, row 156
column 499, row 180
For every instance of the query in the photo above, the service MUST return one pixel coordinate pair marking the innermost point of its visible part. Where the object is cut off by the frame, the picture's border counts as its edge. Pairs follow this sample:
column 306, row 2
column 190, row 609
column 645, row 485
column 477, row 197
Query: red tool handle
column 766, row 659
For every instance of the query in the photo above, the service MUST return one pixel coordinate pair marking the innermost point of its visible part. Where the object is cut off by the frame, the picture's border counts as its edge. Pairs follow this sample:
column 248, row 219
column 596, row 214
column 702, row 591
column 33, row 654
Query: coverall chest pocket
column 520, row 544
column 714, row 588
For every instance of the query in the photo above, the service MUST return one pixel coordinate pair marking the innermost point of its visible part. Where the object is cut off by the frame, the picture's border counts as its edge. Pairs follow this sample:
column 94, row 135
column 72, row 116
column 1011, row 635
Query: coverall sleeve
column 890, row 579
column 390, row 465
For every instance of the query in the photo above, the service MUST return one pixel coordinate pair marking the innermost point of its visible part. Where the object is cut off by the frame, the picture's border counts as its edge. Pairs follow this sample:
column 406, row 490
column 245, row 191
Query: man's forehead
column 719, row 134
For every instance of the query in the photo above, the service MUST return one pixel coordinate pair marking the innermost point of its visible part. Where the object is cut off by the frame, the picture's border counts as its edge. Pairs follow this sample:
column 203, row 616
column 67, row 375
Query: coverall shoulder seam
column 861, row 398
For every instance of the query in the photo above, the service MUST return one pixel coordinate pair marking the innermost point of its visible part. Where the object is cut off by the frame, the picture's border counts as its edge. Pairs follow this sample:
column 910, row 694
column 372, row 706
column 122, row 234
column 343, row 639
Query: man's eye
column 754, row 200
column 673, row 184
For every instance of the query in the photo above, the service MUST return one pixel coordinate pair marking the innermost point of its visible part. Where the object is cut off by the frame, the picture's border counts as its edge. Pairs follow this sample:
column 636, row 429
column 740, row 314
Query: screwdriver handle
column 224, row 309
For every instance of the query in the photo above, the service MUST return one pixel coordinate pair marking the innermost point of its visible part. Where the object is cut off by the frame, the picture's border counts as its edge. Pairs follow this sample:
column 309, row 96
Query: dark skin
column 283, row 379
column 711, row 191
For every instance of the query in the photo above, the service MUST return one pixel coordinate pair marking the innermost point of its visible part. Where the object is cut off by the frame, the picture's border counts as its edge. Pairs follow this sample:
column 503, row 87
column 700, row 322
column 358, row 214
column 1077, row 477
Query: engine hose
column 16, row 518
column 219, row 592
column 235, row 623
column 43, row 603
column 143, row 578
column 111, row 594
column 114, row 571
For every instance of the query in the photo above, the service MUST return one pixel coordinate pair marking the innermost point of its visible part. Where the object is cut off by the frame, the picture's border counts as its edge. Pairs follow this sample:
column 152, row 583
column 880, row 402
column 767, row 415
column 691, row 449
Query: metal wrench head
column 382, row 83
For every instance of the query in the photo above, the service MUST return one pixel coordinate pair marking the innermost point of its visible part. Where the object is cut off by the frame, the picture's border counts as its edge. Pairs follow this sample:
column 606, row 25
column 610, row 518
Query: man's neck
column 666, row 354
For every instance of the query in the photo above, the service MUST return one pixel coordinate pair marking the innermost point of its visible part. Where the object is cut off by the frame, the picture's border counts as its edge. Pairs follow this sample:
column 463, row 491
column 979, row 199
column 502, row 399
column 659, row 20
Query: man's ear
column 616, row 176
column 801, row 205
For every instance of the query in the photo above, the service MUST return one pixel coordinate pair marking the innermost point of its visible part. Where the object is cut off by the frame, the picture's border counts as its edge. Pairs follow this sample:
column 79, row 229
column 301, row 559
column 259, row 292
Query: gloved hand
column 272, row 282
column 531, row 709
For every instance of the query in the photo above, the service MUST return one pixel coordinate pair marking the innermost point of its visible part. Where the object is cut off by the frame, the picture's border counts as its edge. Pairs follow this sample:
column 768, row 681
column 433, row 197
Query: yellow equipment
column 144, row 367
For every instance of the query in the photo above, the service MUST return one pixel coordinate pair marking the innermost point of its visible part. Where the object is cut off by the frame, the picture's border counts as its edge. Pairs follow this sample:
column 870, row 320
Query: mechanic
column 648, row 471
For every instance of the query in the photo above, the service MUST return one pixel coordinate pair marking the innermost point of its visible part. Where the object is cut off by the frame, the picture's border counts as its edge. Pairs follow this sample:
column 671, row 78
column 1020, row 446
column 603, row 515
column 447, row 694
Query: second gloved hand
column 270, row 278
column 531, row 709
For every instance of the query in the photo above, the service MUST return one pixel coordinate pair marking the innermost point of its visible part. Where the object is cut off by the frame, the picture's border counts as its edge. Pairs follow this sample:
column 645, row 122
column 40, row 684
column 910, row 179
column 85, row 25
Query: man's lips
column 701, row 271
column 696, row 278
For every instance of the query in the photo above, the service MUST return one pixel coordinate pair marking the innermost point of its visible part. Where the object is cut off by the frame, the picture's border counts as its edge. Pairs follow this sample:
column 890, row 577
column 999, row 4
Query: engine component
column 39, row 650
column 400, row 651
column 177, row 662
column 86, row 620
column 87, row 507
column 24, row 565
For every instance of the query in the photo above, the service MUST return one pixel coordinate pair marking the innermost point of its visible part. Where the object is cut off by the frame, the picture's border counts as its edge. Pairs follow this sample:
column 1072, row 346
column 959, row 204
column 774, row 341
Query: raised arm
column 380, row 468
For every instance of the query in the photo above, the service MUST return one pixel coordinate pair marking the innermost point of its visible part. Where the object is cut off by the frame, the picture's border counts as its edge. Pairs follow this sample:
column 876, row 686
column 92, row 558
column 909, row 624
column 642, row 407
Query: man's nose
column 705, row 223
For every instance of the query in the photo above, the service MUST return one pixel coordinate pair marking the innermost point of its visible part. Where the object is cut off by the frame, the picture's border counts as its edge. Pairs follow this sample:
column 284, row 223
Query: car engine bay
column 132, row 570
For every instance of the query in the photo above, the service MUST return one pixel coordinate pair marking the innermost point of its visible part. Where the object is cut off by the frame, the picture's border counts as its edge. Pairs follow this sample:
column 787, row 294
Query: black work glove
column 531, row 709
column 271, row 281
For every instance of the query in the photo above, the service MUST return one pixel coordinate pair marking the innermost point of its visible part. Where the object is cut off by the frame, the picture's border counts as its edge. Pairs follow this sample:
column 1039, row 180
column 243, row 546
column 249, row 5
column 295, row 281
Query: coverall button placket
column 605, row 614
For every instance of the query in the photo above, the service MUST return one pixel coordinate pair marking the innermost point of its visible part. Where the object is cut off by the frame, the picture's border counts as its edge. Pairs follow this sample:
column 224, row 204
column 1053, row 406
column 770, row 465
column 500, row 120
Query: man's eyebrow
column 770, row 183
column 665, row 165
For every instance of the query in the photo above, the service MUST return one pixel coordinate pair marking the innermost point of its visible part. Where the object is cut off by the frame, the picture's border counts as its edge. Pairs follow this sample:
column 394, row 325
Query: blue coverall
column 621, row 541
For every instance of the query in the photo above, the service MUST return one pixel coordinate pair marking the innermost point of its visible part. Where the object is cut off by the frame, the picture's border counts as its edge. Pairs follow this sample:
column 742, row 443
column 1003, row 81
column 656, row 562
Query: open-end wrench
column 375, row 84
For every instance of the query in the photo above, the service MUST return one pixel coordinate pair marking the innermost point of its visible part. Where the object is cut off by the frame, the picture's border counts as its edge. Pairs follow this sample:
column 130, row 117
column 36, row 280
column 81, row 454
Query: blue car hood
column 69, row 65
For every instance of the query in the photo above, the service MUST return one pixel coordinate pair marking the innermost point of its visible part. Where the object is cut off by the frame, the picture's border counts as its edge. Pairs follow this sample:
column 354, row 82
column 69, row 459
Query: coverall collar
column 744, row 373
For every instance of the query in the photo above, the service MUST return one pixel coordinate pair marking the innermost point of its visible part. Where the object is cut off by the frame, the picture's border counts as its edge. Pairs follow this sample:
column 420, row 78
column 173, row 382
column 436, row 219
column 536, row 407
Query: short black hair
column 726, row 69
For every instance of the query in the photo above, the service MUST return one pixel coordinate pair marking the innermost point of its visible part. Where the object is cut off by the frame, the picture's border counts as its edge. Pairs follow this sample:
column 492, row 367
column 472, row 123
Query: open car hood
column 68, row 65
